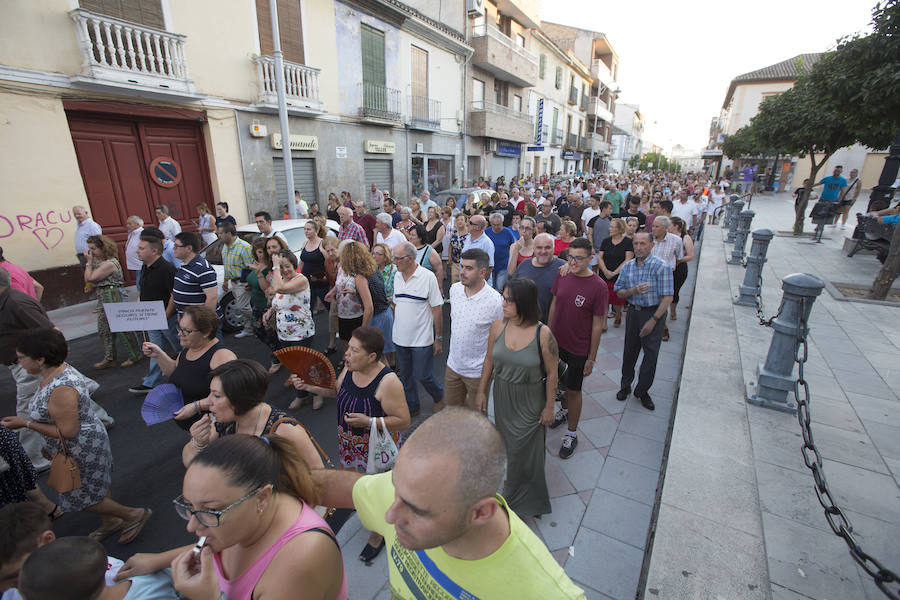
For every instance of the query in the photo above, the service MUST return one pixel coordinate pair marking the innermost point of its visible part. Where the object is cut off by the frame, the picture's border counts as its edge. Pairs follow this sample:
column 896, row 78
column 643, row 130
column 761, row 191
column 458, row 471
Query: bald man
column 447, row 531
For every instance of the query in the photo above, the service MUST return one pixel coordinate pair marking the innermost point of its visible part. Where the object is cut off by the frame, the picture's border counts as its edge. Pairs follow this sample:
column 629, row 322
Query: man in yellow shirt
column 448, row 533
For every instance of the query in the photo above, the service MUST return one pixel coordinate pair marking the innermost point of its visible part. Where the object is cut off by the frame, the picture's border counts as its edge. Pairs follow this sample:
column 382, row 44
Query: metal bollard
column 750, row 289
column 740, row 237
column 736, row 207
column 774, row 379
column 729, row 214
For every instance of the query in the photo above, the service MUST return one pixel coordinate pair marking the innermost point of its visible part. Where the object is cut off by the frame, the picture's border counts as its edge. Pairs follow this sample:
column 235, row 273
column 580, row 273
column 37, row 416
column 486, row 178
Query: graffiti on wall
column 43, row 225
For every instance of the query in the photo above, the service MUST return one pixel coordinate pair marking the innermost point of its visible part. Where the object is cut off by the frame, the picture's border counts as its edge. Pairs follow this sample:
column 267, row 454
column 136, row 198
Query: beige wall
column 871, row 169
column 225, row 170
column 746, row 99
column 36, row 200
column 219, row 45
column 320, row 48
column 38, row 35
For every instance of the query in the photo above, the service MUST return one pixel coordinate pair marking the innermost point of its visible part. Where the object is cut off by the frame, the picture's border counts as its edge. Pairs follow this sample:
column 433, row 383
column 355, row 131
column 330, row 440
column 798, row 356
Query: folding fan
column 161, row 404
column 310, row 366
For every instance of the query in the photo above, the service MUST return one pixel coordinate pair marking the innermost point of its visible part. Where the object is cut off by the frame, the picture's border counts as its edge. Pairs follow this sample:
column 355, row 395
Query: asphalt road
column 147, row 469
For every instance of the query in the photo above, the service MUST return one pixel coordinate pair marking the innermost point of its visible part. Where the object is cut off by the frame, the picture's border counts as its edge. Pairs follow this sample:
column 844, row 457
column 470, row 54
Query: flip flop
column 134, row 529
column 369, row 553
column 101, row 534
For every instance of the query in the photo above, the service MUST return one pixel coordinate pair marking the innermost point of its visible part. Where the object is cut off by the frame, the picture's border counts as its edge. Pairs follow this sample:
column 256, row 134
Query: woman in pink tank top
column 251, row 498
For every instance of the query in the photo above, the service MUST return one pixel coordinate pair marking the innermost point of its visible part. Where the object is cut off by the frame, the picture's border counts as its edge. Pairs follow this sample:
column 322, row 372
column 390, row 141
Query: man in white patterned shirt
column 474, row 306
column 666, row 246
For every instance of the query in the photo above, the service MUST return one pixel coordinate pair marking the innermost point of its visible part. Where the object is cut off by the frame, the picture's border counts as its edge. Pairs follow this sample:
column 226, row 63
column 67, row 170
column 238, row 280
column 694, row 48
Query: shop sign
column 508, row 149
column 572, row 155
column 376, row 147
column 534, row 148
column 298, row 142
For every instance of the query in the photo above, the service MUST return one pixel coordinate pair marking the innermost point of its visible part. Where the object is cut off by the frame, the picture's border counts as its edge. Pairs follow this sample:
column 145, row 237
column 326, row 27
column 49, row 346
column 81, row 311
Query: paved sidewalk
column 739, row 515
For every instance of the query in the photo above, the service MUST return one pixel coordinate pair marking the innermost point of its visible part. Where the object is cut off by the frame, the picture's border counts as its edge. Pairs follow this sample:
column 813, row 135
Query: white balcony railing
column 598, row 107
column 122, row 52
column 480, row 105
column 495, row 34
column 600, row 71
column 300, row 82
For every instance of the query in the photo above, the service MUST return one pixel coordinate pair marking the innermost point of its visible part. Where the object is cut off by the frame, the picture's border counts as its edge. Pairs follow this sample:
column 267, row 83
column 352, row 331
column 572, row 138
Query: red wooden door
column 114, row 156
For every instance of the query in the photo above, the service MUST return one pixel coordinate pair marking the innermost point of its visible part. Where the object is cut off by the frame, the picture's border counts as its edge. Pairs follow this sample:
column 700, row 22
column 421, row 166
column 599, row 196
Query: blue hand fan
column 161, row 403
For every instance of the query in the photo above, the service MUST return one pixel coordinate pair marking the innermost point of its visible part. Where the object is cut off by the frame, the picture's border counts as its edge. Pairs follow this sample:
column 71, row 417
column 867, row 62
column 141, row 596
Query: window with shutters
column 542, row 66
column 290, row 30
column 559, row 76
column 145, row 12
column 372, row 55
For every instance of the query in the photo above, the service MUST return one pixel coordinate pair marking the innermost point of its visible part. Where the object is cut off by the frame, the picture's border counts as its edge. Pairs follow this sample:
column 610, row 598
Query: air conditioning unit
column 475, row 8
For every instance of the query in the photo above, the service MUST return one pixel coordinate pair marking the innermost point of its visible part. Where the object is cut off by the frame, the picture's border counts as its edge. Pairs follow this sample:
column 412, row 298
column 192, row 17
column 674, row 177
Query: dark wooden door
column 114, row 157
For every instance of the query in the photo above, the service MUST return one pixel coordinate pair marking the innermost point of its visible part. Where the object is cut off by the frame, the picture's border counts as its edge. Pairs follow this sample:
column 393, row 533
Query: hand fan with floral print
column 309, row 365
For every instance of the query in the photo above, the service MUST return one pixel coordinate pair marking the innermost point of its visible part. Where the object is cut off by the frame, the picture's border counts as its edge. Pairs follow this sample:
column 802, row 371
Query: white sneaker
column 243, row 334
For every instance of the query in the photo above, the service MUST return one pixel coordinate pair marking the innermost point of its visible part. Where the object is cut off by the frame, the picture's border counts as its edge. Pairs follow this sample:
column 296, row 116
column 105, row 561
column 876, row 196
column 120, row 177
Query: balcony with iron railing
column 573, row 95
column 301, row 85
column 572, row 140
column 121, row 54
column 424, row 113
column 502, row 57
column 500, row 122
column 596, row 142
column 599, row 108
column 379, row 104
column 557, row 138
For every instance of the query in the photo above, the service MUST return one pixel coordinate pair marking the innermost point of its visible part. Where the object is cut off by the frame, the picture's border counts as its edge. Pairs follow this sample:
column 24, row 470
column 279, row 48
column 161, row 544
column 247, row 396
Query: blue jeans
column 415, row 364
column 499, row 279
column 163, row 339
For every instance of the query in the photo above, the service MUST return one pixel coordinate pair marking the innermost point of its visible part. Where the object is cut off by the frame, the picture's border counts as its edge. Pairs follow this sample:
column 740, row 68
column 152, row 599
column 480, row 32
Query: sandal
column 298, row 402
column 98, row 535
column 56, row 513
column 130, row 362
column 104, row 364
column 369, row 553
column 665, row 336
column 618, row 321
column 134, row 529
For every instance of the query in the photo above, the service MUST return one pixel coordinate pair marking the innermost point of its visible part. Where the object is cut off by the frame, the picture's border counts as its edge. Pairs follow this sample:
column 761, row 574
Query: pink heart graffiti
column 44, row 237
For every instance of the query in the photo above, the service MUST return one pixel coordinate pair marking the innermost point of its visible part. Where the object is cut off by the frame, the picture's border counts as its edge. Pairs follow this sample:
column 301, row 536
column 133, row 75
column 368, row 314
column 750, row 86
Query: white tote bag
column 382, row 449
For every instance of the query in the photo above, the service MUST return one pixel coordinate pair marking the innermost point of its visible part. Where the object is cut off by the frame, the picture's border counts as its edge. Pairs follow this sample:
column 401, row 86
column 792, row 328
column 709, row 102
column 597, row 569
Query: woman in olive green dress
column 520, row 352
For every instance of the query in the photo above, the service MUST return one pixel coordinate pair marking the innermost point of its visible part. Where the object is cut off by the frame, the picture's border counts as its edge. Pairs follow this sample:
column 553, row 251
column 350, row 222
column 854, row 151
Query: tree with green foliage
column 652, row 161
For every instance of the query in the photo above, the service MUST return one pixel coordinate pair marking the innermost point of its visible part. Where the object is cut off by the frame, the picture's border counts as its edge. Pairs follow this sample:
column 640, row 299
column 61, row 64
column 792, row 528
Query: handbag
column 382, row 449
column 64, row 474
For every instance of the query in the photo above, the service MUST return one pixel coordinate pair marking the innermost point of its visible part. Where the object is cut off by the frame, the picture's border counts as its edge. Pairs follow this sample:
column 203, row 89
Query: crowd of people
column 532, row 272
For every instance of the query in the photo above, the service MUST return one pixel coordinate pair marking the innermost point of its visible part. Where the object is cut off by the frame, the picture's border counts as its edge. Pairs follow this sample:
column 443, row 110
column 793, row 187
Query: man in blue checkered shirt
column 646, row 282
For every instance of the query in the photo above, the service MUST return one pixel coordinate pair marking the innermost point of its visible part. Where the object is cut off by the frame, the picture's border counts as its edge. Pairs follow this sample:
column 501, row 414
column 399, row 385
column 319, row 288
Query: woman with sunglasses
column 252, row 499
column 201, row 353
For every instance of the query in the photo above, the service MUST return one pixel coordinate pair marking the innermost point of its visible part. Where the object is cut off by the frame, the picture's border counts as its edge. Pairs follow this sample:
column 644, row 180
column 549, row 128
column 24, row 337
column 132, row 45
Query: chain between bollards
column 837, row 519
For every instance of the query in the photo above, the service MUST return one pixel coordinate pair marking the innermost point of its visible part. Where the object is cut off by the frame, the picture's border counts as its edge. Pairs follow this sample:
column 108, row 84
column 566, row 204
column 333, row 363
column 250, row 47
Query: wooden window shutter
column 144, row 12
column 543, row 66
column 289, row 26
column 372, row 55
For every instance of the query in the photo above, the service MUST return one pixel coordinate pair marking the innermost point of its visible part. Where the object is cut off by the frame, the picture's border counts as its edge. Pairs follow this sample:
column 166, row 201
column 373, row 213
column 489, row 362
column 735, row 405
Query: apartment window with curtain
column 517, row 103
column 289, row 29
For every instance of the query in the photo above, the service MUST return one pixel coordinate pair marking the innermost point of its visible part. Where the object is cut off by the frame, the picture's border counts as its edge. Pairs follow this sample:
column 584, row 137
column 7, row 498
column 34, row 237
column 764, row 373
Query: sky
column 676, row 59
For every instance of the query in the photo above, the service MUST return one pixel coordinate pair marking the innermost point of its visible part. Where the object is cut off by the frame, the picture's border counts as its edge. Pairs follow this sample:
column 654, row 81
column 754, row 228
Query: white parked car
column 293, row 232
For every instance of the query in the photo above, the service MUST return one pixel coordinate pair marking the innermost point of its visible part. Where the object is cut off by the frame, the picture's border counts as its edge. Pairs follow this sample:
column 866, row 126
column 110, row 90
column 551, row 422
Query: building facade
column 627, row 137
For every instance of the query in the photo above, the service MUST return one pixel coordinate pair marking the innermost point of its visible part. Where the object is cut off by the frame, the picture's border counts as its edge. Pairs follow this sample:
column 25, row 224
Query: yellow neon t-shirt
column 521, row 568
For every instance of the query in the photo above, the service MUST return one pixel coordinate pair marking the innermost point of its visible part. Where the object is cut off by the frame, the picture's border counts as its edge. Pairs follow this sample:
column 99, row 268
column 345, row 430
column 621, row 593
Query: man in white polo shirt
column 385, row 232
column 418, row 323
column 474, row 306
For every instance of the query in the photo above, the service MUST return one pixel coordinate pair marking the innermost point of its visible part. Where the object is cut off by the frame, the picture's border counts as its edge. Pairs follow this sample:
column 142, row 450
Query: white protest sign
column 136, row 316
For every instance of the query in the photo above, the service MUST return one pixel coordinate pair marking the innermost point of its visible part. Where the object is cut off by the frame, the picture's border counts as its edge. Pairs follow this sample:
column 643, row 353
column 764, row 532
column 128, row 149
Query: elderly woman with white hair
column 135, row 225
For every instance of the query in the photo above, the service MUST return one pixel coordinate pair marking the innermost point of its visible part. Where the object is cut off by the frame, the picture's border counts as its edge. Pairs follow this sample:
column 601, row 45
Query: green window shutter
column 372, row 55
column 559, row 77
column 543, row 66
